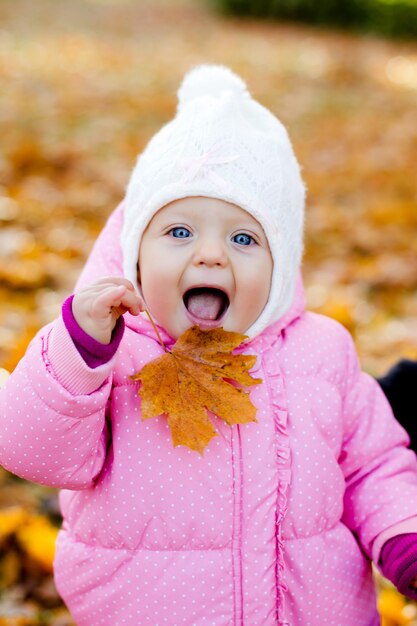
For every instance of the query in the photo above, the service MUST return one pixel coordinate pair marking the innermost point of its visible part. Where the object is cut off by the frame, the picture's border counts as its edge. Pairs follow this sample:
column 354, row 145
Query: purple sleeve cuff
column 93, row 352
column 398, row 562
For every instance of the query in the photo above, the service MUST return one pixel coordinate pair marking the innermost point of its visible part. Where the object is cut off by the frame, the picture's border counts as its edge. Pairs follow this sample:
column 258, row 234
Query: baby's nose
column 210, row 252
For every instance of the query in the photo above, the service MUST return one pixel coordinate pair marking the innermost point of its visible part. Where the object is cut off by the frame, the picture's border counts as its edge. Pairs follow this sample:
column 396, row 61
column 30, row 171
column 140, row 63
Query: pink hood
column 275, row 525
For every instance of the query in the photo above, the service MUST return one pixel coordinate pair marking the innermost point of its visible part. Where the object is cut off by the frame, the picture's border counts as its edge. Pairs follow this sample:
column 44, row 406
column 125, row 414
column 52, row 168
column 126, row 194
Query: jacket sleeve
column 53, row 427
column 380, row 471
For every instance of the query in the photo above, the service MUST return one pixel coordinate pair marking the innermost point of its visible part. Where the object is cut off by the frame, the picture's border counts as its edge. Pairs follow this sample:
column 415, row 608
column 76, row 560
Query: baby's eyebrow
column 249, row 227
column 179, row 217
column 253, row 228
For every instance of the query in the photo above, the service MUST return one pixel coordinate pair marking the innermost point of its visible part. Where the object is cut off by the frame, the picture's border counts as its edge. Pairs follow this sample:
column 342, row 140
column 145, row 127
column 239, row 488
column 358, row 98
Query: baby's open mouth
column 206, row 303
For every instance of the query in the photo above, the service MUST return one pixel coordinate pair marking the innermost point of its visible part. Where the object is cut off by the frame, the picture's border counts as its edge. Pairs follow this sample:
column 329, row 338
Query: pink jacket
column 277, row 522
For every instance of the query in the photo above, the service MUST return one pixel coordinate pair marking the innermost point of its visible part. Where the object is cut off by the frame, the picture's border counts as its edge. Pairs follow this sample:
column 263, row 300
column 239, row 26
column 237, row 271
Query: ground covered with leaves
column 86, row 83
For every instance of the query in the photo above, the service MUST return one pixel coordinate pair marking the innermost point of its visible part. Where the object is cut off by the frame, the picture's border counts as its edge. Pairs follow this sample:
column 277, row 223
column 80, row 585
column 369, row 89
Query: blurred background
column 84, row 85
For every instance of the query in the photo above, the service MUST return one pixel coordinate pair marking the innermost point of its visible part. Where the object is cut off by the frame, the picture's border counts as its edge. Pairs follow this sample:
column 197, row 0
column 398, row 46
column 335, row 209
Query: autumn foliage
column 84, row 85
column 199, row 376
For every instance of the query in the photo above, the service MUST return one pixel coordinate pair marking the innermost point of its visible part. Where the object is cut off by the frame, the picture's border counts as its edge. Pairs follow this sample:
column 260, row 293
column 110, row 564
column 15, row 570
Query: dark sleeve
column 93, row 352
column 398, row 563
column 400, row 387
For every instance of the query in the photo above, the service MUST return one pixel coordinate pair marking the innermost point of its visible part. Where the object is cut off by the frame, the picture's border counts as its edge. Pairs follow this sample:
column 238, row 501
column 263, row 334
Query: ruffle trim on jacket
column 278, row 396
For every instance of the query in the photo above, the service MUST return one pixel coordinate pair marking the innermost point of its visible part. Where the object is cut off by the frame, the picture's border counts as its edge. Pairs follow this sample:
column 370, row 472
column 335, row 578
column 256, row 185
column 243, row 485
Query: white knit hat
column 223, row 144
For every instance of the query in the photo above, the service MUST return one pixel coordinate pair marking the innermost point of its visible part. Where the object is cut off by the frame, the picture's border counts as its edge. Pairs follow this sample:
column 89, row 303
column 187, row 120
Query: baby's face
column 206, row 262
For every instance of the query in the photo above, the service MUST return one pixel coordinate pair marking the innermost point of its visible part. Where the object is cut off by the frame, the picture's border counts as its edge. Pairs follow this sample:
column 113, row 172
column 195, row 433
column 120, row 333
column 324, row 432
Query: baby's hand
column 97, row 307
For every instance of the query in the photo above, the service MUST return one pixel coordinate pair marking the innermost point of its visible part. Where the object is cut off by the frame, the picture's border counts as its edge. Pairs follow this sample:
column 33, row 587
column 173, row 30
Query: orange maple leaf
column 199, row 375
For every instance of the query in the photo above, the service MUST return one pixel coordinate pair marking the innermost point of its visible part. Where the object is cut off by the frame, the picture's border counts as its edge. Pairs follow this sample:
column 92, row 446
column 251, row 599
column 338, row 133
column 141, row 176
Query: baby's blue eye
column 180, row 232
column 243, row 239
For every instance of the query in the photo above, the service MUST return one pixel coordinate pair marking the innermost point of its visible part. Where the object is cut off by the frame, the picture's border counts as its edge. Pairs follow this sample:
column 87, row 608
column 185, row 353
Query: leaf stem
column 156, row 330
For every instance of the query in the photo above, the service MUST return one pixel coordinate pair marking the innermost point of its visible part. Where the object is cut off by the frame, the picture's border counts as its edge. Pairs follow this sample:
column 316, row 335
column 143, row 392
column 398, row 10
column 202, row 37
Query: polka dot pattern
column 264, row 529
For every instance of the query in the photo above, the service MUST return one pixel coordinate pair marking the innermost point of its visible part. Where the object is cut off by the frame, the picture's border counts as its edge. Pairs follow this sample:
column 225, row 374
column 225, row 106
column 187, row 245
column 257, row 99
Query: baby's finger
column 108, row 299
column 132, row 302
column 113, row 281
column 117, row 299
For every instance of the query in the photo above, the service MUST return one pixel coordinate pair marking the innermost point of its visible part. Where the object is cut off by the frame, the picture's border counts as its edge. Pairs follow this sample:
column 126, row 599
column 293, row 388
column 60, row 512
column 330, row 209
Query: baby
column 278, row 521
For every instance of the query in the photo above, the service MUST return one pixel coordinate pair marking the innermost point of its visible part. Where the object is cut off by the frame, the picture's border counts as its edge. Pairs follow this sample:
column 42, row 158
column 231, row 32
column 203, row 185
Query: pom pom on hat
column 209, row 80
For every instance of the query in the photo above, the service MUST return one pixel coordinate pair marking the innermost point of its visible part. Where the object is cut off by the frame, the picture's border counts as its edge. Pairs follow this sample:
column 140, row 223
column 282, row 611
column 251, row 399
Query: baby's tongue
column 205, row 304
